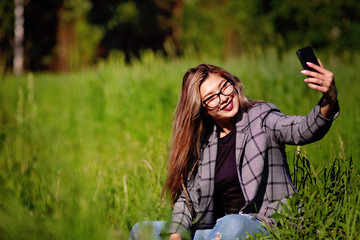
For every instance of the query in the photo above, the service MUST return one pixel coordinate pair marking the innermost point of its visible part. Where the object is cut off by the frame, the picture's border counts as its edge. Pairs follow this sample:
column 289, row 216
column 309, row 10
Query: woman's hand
column 175, row 236
column 322, row 81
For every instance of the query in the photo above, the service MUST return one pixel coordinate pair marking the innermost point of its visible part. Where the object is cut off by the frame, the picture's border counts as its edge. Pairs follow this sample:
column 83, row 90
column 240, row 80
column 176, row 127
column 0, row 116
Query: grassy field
column 83, row 155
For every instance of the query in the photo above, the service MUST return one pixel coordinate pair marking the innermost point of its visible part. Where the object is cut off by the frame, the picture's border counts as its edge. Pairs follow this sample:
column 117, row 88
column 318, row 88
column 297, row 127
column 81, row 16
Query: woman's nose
column 223, row 98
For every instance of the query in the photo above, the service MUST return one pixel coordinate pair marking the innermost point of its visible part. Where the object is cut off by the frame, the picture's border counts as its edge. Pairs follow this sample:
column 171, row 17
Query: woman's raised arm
column 322, row 81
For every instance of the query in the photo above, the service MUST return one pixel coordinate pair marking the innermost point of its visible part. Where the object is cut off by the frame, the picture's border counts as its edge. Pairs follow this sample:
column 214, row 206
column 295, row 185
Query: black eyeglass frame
column 220, row 92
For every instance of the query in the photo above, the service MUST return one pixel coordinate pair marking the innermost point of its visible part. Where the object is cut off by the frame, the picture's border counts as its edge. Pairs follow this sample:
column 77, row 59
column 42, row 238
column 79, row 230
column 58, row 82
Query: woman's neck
column 226, row 127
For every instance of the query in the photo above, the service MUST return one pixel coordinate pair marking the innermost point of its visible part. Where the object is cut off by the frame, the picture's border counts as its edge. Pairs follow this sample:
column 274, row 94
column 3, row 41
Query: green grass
column 83, row 155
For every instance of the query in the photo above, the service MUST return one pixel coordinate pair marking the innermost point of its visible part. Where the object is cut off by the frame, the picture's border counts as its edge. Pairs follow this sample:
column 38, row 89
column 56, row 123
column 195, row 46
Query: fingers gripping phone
column 307, row 54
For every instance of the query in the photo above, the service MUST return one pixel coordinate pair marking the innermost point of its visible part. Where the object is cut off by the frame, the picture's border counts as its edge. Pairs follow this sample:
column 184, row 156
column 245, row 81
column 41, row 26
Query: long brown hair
column 190, row 124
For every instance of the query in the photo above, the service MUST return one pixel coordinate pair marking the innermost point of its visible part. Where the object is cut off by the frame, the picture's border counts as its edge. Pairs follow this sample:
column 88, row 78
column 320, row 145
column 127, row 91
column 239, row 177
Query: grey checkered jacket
column 261, row 135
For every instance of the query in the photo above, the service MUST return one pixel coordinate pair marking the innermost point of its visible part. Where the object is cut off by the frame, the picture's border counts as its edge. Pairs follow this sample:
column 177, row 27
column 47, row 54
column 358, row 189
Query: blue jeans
column 229, row 227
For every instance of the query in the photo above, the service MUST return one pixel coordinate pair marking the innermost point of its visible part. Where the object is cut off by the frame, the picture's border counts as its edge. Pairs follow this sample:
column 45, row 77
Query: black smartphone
column 307, row 54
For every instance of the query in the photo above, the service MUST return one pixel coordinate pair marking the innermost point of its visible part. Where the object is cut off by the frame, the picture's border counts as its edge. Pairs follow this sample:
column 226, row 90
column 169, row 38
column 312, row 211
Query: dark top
column 228, row 194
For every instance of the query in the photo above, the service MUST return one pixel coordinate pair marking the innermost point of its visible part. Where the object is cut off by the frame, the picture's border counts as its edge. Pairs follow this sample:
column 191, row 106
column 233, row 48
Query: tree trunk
column 175, row 9
column 19, row 37
column 65, row 43
column 177, row 13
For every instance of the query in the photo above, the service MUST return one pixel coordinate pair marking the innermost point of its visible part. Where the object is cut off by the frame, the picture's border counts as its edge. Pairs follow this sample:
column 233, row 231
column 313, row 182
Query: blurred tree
column 331, row 24
column 41, row 24
column 134, row 25
column 39, row 33
column 249, row 29
column 227, row 28
column 171, row 22
column 58, row 36
column 76, row 39
column 230, row 27
column 6, row 34
column 70, row 34
column 19, row 37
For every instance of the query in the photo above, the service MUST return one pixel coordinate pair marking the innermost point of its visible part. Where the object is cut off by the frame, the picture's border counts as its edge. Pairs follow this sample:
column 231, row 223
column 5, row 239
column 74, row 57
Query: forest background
column 85, row 126
column 68, row 35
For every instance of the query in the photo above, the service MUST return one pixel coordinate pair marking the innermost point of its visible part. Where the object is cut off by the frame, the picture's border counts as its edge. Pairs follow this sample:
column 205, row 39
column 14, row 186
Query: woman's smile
column 229, row 106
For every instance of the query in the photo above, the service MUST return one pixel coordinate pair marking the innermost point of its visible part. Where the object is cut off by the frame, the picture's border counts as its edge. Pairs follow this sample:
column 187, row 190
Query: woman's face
column 227, row 107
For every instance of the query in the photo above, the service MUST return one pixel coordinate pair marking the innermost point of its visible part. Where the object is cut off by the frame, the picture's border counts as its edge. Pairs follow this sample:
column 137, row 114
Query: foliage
column 6, row 32
column 225, row 29
column 86, row 37
column 229, row 28
column 40, row 32
column 131, row 26
column 335, row 190
column 323, row 24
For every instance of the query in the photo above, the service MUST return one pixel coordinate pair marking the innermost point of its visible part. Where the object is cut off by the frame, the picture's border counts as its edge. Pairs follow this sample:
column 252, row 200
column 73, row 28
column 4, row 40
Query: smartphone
column 307, row 54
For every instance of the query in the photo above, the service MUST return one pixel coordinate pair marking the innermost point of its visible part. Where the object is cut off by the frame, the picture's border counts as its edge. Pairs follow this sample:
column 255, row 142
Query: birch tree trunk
column 19, row 37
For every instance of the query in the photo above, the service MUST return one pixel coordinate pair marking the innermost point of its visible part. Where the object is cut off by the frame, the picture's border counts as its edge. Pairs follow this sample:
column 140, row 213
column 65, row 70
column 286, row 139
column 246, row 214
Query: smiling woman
column 228, row 170
column 222, row 106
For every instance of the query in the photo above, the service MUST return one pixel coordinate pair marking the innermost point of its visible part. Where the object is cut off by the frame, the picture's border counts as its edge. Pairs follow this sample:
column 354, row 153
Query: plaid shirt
column 261, row 135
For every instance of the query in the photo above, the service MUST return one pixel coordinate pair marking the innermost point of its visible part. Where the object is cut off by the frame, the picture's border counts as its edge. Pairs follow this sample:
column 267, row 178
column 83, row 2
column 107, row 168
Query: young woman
column 227, row 170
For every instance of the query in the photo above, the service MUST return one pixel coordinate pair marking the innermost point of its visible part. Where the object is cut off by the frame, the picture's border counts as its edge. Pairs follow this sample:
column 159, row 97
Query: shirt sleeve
column 184, row 212
column 299, row 130
column 181, row 218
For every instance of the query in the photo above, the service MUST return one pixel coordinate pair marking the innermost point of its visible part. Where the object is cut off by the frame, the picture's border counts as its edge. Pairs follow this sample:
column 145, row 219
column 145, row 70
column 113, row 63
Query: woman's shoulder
column 261, row 108
column 256, row 114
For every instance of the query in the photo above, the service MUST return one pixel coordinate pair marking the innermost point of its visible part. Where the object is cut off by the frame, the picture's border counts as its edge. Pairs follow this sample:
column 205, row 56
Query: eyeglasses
column 214, row 100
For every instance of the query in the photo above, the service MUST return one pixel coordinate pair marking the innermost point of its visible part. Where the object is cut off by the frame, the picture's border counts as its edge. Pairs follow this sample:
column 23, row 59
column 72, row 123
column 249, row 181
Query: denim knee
column 235, row 226
column 233, row 221
column 134, row 232
column 146, row 230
